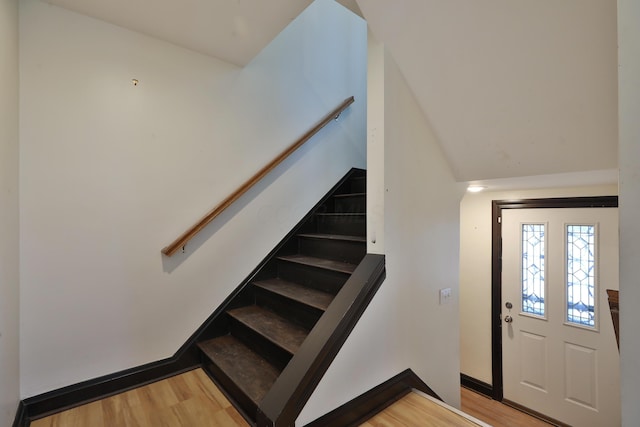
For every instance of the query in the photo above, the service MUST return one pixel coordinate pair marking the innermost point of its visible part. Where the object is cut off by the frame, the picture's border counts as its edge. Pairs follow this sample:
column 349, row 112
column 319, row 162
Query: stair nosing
column 271, row 339
column 337, row 237
column 342, row 214
column 293, row 259
column 264, row 285
column 273, row 371
column 349, row 195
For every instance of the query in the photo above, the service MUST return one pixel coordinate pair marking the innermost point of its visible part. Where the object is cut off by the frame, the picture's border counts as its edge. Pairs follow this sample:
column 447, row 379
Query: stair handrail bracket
column 181, row 241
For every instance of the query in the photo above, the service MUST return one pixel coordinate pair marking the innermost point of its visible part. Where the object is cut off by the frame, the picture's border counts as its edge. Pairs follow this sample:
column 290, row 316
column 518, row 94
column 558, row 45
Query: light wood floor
column 187, row 400
column 495, row 413
column 192, row 400
column 414, row 410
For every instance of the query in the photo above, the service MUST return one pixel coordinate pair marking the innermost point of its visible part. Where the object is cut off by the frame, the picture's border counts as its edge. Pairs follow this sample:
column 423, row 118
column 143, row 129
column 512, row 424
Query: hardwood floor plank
column 190, row 399
column 496, row 413
column 416, row 410
column 207, row 390
column 235, row 417
column 413, row 410
column 381, row 420
column 180, row 388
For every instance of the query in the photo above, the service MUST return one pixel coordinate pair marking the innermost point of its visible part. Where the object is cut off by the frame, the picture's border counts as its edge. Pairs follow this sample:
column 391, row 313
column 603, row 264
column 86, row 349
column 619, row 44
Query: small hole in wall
column 135, row 82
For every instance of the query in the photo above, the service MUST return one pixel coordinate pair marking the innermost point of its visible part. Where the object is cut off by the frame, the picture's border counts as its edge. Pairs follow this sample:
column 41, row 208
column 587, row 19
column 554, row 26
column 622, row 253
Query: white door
column 560, row 356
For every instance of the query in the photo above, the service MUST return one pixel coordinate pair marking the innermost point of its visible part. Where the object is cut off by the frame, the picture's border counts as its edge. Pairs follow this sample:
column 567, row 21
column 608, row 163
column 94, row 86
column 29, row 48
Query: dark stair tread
column 349, row 195
column 328, row 264
column 250, row 372
column 359, row 239
column 308, row 296
column 342, row 214
column 276, row 329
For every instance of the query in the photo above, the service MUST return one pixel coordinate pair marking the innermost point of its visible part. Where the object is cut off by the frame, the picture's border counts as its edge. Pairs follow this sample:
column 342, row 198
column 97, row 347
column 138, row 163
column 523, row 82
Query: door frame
column 496, row 265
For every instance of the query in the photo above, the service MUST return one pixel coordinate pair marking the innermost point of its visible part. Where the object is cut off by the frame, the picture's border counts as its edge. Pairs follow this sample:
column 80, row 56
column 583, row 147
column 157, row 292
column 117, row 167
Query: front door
column 560, row 356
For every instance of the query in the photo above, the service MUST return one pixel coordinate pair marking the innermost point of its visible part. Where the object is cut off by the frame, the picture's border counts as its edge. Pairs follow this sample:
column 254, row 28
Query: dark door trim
column 496, row 264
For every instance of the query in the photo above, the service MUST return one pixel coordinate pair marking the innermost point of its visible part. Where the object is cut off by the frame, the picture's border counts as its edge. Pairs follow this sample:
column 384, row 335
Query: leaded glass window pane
column 581, row 280
column 533, row 270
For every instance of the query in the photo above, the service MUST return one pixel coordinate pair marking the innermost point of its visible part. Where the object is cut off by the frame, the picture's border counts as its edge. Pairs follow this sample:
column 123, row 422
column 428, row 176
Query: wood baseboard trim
column 534, row 414
column 71, row 396
column 476, row 385
column 21, row 416
column 370, row 403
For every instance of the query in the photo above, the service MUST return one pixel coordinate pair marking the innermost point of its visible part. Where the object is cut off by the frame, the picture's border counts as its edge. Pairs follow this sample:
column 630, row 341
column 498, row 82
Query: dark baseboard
column 21, row 416
column 59, row 400
column 476, row 385
column 368, row 404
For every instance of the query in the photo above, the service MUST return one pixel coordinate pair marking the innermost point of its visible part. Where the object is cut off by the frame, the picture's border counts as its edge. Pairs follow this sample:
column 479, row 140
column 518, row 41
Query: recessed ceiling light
column 476, row 188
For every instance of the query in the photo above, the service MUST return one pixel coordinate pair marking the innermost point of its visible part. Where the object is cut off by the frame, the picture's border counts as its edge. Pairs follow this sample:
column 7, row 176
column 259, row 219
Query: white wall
column 475, row 270
column 421, row 239
column 112, row 172
column 9, row 223
column 374, row 337
column 375, row 145
column 629, row 152
column 402, row 327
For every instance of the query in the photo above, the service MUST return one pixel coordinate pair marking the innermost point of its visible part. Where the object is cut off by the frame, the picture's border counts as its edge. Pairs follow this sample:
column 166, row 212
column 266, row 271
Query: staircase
column 251, row 342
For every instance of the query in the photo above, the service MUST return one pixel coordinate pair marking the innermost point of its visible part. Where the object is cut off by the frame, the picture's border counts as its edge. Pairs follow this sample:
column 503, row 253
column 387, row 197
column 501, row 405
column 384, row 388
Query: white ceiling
column 556, row 180
column 511, row 88
column 231, row 30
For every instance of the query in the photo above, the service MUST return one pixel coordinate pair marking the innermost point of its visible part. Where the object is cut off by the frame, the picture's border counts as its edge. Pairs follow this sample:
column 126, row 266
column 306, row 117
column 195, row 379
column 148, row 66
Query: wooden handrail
column 191, row 232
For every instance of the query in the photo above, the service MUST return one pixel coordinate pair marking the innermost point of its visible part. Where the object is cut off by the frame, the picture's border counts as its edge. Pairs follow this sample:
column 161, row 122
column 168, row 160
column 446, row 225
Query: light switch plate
column 445, row 296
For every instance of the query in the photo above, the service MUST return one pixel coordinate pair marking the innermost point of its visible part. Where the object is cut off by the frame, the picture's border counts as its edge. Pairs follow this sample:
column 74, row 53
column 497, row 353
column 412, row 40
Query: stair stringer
column 293, row 388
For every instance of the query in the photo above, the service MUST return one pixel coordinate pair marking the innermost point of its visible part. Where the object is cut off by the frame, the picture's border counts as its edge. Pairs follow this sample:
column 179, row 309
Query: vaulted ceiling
column 231, row 30
column 511, row 89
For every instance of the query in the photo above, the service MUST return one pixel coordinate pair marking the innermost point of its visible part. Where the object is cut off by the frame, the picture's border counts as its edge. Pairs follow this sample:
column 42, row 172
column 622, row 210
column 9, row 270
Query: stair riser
column 358, row 185
column 338, row 250
column 317, row 278
column 234, row 393
column 275, row 355
column 351, row 204
column 293, row 311
column 354, row 225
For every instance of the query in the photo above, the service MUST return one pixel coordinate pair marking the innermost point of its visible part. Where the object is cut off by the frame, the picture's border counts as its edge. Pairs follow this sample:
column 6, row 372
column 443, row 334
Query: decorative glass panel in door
column 581, row 274
column 533, row 270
